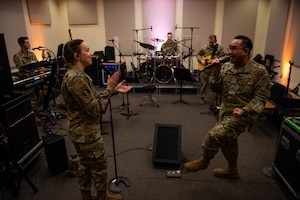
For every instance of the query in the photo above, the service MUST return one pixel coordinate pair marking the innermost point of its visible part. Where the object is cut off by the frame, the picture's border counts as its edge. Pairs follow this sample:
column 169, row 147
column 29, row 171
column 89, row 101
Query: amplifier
column 15, row 109
column 56, row 154
column 22, row 137
column 287, row 159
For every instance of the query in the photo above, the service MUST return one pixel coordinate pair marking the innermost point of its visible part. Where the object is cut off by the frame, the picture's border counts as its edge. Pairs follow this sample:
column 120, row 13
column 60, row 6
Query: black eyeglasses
column 233, row 48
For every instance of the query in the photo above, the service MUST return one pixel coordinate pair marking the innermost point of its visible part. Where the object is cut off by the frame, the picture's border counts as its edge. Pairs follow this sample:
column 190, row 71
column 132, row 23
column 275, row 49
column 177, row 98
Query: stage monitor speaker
column 167, row 146
column 56, row 154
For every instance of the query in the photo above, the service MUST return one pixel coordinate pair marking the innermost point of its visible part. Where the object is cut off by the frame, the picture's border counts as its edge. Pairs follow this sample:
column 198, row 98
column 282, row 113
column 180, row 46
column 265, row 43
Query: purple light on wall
column 161, row 16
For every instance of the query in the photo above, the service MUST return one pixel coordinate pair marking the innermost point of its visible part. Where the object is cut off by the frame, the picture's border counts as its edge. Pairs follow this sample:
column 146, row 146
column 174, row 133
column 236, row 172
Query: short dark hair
column 169, row 33
column 213, row 36
column 21, row 40
column 246, row 42
column 70, row 48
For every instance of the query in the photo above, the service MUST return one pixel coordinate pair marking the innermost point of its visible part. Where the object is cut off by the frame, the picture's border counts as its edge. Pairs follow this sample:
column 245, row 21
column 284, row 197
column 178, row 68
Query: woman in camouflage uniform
column 85, row 106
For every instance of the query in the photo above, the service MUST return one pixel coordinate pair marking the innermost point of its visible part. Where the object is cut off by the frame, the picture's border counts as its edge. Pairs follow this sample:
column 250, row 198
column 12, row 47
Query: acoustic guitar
column 208, row 59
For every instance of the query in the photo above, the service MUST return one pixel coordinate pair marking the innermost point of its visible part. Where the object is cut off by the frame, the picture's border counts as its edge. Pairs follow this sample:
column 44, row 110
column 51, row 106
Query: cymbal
column 147, row 46
column 184, row 40
column 157, row 40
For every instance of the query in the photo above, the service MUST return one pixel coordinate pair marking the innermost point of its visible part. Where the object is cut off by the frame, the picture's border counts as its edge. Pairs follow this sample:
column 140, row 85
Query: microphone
column 38, row 48
column 151, row 28
column 226, row 59
column 111, row 39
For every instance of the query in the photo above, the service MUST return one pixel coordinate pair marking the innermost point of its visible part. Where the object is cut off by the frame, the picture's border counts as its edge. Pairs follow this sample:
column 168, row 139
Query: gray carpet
column 134, row 139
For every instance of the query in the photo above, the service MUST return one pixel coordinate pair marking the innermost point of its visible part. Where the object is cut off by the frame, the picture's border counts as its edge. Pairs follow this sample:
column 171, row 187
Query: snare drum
column 163, row 74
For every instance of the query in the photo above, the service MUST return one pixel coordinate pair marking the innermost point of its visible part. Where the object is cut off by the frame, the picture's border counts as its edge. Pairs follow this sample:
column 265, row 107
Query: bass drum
column 163, row 74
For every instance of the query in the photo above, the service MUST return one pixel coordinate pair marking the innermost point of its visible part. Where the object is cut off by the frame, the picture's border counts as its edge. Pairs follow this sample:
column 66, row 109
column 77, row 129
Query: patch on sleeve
column 85, row 93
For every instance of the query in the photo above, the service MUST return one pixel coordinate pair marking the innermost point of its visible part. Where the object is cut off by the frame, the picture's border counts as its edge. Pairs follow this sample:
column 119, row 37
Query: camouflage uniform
column 22, row 59
column 247, row 87
column 169, row 48
column 85, row 106
column 205, row 51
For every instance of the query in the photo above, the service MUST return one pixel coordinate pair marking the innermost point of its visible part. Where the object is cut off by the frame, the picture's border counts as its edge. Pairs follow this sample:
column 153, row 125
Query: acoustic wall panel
column 82, row 12
column 39, row 12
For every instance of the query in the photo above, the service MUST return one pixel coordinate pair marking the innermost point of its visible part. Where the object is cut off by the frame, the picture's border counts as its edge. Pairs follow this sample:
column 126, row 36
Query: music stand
column 129, row 112
column 182, row 75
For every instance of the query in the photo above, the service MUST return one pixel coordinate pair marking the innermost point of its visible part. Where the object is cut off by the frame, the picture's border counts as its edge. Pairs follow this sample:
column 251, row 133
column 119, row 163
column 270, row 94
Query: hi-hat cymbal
column 157, row 40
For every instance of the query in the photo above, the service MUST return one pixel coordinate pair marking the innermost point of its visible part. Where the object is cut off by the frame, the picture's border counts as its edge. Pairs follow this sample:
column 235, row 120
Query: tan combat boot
column 195, row 165
column 202, row 101
column 86, row 195
column 230, row 173
column 103, row 195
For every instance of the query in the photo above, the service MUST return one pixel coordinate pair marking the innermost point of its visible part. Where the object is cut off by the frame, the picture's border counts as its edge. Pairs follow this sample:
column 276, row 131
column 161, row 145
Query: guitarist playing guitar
column 205, row 56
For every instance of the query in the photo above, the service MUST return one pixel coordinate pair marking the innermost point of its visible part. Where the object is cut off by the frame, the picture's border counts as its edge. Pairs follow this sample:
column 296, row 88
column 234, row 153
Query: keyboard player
column 23, row 58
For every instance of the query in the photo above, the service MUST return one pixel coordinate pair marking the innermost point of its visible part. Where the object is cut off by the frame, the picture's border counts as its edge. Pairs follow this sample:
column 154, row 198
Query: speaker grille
column 167, row 145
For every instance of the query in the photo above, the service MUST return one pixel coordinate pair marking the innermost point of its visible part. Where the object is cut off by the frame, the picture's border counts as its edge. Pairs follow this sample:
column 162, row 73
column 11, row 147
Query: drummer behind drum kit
column 159, row 67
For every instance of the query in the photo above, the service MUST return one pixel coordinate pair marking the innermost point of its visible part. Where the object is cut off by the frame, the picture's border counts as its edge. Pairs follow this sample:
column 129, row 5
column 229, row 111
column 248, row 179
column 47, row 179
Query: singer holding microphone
column 85, row 106
column 245, row 88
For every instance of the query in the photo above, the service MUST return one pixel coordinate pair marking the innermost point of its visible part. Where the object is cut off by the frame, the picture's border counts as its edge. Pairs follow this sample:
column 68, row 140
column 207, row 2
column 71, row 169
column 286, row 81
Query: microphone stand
column 51, row 114
column 269, row 171
column 120, row 58
column 113, row 184
column 137, row 44
column 191, row 46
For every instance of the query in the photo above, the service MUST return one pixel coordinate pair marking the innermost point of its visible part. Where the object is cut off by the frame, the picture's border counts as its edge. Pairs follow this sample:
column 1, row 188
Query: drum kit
column 158, row 67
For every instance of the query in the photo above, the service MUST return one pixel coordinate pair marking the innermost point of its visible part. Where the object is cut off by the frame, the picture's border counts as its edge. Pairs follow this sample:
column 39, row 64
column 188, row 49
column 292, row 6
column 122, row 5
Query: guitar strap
column 215, row 50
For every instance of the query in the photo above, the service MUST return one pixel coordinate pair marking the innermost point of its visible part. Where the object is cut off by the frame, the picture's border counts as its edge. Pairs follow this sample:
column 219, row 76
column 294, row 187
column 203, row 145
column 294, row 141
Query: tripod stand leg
column 180, row 99
column 129, row 113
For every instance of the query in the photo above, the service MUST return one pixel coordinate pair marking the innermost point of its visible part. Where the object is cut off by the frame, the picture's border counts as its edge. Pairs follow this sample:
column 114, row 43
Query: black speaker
column 56, row 154
column 6, row 82
column 167, row 146
column 15, row 109
column 287, row 159
column 22, row 137
column 109, row 53
column 94, row 71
